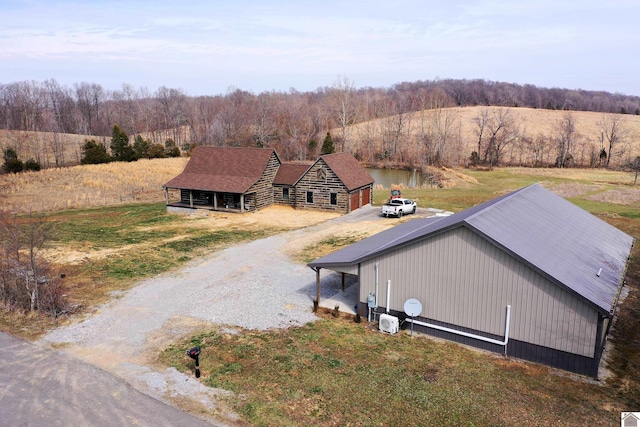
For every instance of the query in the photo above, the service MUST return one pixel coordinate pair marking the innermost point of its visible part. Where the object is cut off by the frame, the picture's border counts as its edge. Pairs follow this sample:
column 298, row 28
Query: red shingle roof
column 348, row 169
column 224, row 169
column 289, row 173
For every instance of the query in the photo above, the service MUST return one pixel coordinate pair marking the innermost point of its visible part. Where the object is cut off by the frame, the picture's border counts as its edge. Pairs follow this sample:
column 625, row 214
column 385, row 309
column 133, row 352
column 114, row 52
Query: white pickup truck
column 399, row 207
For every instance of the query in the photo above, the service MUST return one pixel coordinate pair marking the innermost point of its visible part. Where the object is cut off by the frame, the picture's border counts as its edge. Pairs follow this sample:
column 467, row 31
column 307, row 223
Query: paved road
column 44, row 387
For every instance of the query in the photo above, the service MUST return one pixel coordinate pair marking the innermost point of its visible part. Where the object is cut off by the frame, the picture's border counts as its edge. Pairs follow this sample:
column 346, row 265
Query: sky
column 213, row 47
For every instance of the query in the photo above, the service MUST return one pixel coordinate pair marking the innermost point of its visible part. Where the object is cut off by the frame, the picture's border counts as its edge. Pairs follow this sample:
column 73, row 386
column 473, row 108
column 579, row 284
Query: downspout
column 466, row 334
column 388, row 294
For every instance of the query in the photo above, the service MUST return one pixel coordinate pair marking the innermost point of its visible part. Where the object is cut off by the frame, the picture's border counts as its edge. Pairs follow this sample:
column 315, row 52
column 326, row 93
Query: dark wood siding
column 321, row 180
column 263, row 189
column 278, row 195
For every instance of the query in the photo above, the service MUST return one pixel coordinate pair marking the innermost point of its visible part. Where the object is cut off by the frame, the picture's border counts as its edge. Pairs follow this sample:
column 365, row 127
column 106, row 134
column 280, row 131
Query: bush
column 32, row 165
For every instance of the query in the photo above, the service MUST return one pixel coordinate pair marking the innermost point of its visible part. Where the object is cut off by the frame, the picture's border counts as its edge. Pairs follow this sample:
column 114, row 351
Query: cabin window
column 285, row 193
column 333, row 198
column 309, row 196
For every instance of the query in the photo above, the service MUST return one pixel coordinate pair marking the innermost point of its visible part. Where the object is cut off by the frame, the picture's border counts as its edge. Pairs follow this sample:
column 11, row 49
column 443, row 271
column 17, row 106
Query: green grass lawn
column 338, row 372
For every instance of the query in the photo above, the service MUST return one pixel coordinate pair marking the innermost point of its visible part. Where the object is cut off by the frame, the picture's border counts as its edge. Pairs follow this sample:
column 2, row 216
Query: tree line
column 293, row 122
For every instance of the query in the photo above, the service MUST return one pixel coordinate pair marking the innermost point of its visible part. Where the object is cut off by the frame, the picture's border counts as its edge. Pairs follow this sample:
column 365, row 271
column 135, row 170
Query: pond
column 404, row 178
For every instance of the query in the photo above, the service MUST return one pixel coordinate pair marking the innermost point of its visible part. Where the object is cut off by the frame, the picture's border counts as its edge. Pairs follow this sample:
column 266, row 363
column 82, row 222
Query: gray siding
column 462, row 279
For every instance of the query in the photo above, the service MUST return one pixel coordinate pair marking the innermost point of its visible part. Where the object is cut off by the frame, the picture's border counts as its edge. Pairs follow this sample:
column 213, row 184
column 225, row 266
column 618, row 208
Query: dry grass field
column 85, row 186
column 531, row 122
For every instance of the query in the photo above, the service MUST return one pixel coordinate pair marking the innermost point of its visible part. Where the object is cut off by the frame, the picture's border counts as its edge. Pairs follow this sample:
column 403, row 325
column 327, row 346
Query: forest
column 411, row 124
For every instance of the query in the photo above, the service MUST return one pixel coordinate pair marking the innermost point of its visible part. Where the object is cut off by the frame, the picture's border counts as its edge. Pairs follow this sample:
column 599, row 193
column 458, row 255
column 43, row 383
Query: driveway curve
column 253, row 285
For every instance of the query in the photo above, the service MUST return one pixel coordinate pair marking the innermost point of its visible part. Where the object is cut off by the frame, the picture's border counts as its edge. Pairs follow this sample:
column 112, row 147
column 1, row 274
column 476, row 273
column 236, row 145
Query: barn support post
column 242, row 203
column 318, row 286
column 342, row 282
column 166, row 195
column 215, row 201
column 190, row 198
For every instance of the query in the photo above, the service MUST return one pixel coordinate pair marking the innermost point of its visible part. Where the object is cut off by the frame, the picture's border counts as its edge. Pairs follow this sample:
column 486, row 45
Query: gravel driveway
column 253, row 285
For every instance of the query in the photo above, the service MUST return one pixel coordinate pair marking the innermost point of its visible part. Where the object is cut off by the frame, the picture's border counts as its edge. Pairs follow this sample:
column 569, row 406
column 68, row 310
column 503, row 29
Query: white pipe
column 388, row 294
column 376, row 294
column 466, row 334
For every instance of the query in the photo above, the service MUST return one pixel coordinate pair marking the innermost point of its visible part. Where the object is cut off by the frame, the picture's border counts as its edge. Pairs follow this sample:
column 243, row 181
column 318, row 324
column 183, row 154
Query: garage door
column 355, row 200
column 366, row 196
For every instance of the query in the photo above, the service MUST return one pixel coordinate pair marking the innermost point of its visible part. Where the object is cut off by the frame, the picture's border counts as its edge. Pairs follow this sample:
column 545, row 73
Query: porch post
column 342, row 282
column 190, row 198
column 318, row 285
column 215, row 201
column 166, row 195
column 242, row 203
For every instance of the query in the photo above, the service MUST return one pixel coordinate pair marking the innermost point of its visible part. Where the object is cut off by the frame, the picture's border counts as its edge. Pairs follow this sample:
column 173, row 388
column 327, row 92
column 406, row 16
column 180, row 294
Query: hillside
column 367, row 139
column 532, row 124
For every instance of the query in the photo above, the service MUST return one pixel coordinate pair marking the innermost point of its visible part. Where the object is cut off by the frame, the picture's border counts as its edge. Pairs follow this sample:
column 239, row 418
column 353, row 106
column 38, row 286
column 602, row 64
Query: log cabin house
column 247, row 179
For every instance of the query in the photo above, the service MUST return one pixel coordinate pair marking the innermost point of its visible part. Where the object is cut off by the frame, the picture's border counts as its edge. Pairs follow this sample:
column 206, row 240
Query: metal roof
column 559, row 239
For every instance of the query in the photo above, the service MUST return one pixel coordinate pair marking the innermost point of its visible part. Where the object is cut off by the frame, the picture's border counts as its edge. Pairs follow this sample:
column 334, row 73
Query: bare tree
column 343, row 98
column 26, row 280
column 565, row 136
column 90, row 98
column 502, row 132
column 614, row 135
column 481, row 121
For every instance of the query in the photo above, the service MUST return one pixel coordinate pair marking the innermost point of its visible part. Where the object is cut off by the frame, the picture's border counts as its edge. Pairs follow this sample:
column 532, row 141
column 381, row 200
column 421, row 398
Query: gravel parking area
column 254, row 285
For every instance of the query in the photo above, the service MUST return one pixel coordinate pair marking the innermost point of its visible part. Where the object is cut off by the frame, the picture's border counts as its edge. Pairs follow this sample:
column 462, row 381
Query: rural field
column 332, row 371
column 456, row 126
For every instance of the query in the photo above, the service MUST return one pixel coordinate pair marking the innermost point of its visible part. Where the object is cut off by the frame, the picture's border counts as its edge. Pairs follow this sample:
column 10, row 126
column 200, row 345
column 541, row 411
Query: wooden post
column 215, row 201
column 190, row 198
column 318, row 285
column 166, row 195
column 342, row 282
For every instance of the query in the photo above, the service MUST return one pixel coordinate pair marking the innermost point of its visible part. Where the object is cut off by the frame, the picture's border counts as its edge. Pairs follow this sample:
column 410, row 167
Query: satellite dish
column 412, row 307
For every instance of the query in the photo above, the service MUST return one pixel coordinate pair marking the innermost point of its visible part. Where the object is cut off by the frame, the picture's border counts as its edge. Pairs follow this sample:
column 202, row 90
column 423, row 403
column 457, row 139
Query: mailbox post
column 194, row 353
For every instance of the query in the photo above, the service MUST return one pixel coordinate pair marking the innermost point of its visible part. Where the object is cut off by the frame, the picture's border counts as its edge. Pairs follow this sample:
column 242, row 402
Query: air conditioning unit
column 388, row 323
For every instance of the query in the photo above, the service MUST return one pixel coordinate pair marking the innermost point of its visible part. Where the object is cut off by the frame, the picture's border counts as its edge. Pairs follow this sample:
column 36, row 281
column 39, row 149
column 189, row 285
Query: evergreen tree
column 32, row 165
column 327, row 145
column 11, row 162
column 156, row 151
column 141, row 148
column 121, row 150
column 94, row 153
column 170, row 148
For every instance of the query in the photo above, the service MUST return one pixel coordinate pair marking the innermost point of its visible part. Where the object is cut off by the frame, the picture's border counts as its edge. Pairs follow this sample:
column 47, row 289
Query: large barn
column 246, row 179
column 528, row 274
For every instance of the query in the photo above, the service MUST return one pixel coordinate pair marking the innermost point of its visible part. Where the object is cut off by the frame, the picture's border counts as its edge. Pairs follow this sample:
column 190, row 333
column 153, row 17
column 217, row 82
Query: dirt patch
column 275, row 216
column 573, row 190
column 619, row 196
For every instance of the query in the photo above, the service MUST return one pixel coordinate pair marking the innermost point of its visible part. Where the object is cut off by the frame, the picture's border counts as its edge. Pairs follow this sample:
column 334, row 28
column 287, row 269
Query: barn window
column 334, row 198
column 285, row 193
column 309, row 196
